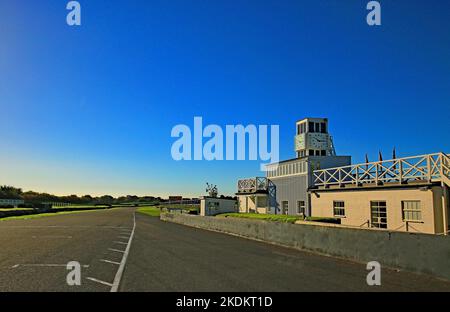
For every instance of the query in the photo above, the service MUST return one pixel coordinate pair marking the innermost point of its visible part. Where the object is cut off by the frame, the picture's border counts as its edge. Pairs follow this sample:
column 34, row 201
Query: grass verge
column 193, row 208
column 42, row 215
column 279, row 218
column 259, row 216
column 150, row 211
column 14, row 209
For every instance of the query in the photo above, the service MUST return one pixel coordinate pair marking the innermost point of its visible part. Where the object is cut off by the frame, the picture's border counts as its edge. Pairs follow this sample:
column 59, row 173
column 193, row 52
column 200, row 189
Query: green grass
column 150, row 211
column 42, row 215
column 181, row 206
column 324, row 220
column 260, row 216
column 279, row 218
column 80, row 207
column 14, row 209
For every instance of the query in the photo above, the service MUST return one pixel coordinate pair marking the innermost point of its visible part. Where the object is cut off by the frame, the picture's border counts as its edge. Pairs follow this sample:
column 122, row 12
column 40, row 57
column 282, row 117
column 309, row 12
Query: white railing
column 432, row 167
column 252, row 185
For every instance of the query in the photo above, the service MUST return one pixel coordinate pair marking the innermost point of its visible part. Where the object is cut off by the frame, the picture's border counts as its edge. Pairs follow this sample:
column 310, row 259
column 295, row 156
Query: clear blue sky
column 90, row 109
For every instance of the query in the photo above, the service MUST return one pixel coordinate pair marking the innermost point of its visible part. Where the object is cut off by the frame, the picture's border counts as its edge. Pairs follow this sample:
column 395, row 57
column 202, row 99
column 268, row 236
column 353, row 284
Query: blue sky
column 90, row 109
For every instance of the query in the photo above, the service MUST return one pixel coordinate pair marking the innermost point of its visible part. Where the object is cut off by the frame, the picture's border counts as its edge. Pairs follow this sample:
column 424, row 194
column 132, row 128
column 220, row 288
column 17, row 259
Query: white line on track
column 49, row 236
column 123, row 237
column 116, row 250
column 118, row 277
column 109, row 261
column 99, row 281
column 43, row 265
column 123, row 243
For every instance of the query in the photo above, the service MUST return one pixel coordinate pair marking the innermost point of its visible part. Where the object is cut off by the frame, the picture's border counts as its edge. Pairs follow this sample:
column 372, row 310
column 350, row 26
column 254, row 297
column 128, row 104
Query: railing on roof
column 432, row 167
column 253, row 185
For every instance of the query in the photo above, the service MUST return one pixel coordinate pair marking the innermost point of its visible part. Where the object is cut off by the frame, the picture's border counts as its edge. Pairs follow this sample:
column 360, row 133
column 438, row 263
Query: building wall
column 291, row 189
column 210, row 206
column 357, row 207
column 253, row 203
column 438, row 213
column 294, row 188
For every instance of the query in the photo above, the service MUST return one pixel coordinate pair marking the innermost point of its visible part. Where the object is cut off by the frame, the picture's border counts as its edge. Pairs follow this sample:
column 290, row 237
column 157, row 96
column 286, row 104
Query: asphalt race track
column 170, row 257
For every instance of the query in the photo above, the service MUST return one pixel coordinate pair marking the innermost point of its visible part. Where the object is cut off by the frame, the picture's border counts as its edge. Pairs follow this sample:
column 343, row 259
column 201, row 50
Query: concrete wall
column 420, row 253
column 210, row 206
column 357, row 207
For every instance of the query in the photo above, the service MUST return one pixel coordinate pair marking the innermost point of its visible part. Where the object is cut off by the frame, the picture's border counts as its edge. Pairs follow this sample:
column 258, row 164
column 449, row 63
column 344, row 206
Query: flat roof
column 305, row 158
column 316, row 118
column 371, row 187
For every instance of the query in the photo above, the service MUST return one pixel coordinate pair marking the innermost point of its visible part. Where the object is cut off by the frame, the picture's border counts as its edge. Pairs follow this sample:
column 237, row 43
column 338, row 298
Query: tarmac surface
column 120, row 250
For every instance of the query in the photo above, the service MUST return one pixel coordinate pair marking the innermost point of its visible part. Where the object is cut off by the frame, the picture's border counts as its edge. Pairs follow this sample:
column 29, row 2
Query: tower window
column 323, row 127
column 317, row 127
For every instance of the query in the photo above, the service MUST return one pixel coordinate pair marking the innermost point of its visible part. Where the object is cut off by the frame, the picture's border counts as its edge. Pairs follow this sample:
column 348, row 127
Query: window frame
column 287, row 207
column 410, row 210
column 379, row 224
column 303, row 207
column 342, row 208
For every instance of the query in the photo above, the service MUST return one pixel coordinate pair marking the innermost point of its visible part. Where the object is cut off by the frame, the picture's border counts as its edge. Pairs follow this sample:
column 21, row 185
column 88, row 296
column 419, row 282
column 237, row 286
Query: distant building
column 175, row 198
column 284, row 190
column 11, row 202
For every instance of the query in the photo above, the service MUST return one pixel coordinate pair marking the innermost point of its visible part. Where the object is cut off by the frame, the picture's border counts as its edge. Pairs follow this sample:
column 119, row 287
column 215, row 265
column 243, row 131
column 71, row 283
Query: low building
column 406, row 194
column 256, row 195
column 11, row 202
column 211, row 206
column 284, row 190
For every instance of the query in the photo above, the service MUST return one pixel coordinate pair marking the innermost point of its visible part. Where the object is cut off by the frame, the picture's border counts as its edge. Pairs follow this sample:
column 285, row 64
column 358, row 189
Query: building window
column 339, row 208
column 301, row 207
column 323, row 153
column 285, row 207
column 301, row 128
column 378, row 213
column 323, row 127
column 311, row 127
column 411, row 211
column 317, row 127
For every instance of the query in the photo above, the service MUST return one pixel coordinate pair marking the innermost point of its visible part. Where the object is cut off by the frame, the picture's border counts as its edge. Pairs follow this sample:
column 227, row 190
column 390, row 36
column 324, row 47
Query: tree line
column 10, row 192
